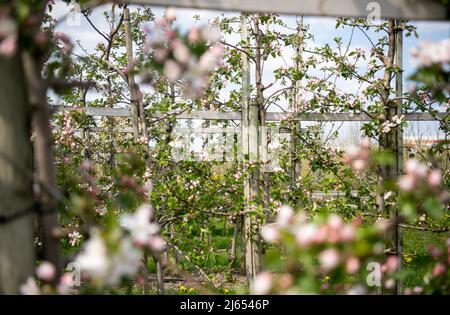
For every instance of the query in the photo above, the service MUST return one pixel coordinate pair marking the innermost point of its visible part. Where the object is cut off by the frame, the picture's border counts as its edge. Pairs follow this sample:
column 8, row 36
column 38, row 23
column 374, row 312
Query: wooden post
column 131, row 82
column 389, row 142
column 253, row 257
column 17, row 253
column 263, row 154
column 244, row 123
column 296, row 163
column 159, row 275
column 43, row 157
column 398, row 239
column 250, row 142
column 234, row 241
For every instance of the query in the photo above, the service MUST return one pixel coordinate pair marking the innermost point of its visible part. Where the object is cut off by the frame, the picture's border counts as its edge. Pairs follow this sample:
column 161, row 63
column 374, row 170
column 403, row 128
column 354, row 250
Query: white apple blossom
column 170, row 14
column 139, row 225
column 210, row 33
column 93, row 258
column 125, row 262
column 387, row 195
column 74, row 238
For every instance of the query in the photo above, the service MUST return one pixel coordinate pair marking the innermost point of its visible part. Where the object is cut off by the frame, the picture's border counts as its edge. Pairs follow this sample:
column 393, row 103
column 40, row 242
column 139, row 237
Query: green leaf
column 434, row 207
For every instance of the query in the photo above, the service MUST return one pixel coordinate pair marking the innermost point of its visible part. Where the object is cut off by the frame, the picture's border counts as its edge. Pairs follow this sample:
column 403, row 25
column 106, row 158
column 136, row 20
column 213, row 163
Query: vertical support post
column 296, row 163
column 131, row 82
column 399, row 141
column 43, row 157
column 159, row 275
column 244, row 122
column 263, row 154
column 251, row 235
column 390, row 140
column 17, row 253
column 250, row 143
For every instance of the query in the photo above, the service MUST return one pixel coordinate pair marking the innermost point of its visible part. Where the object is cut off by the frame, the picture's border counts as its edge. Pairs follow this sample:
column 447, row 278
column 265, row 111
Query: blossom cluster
column 416, row 173
column 107, row 267
column 432, row 53
column 358, row 157
column 327, row 245
column 108, row 258
column 387, row 126
column 184, row 57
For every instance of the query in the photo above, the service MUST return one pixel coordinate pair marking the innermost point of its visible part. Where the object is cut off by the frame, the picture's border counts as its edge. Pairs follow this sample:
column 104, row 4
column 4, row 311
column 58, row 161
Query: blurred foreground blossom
column 186, row 58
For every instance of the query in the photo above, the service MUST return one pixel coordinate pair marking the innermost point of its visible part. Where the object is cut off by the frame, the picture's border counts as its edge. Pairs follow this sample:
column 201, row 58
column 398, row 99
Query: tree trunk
column 390, row 141
column 17, row 253
column 44, row 159
column 131, row 83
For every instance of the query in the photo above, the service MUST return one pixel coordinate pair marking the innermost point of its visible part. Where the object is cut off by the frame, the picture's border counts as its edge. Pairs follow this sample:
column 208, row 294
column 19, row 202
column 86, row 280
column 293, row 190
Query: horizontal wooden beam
column 270, row 116
column 399, row 9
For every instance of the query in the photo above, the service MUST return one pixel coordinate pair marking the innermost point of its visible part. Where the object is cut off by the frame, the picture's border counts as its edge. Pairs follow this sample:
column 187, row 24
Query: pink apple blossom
column 160, row 54
column 359, row 165
column 30, row 287
column 390, row 265
column 347, row 233
column 180, row 51
column 8, row 46
column 352, row 265
column 438, row 270
column 194, row 35
column 407, row 183
column 415, row 168
column 435, row 178
column 46, row 271
column 329, row 259
column 157, row 244
column 335, row 222
column 172, row 70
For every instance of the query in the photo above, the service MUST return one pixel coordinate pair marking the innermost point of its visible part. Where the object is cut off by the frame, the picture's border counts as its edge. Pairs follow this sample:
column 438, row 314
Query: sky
column 323, row 29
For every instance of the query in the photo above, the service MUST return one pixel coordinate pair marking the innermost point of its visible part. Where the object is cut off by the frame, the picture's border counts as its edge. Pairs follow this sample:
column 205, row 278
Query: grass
column 417, row 260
